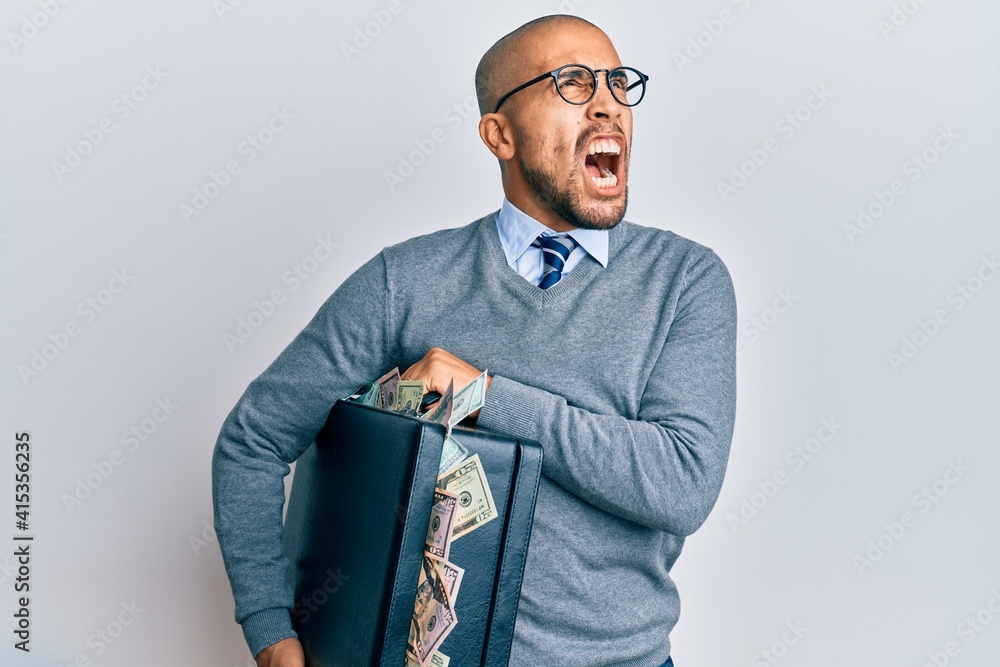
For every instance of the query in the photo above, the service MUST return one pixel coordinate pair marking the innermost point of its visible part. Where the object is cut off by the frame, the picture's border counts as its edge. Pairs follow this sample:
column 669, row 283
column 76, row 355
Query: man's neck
column 531, row 206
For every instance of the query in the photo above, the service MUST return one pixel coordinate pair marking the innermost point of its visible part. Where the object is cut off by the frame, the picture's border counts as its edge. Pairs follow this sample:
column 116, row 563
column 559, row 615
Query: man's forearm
column 248, row 501
column 275, row 420
column 654, row 475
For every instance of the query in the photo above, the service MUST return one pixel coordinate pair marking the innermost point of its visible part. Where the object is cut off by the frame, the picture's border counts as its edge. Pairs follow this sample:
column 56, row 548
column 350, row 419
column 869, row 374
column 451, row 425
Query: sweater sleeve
column 274, row 421
column 664, row 469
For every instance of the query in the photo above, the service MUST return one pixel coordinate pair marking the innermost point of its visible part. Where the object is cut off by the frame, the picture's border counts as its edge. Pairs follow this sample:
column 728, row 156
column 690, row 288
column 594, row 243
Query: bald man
column 610, row 343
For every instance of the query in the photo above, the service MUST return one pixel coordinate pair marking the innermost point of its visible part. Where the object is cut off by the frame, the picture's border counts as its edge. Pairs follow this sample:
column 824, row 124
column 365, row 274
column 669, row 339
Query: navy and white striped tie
column 555, row 252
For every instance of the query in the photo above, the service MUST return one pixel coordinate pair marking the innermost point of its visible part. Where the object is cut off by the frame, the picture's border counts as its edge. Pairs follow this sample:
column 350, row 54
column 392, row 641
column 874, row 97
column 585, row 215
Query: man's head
column 558, row 160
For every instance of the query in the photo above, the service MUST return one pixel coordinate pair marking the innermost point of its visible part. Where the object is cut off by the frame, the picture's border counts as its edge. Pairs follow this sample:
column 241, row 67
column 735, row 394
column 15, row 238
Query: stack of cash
column 391, row 393
column 437, row 586
column 462, row 502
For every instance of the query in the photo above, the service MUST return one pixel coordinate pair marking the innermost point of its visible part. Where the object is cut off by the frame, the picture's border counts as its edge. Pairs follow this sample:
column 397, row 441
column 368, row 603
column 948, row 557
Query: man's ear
column 496, row 133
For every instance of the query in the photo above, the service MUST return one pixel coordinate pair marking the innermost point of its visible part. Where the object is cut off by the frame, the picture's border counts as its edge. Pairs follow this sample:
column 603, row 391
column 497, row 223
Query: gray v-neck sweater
column 626, row 375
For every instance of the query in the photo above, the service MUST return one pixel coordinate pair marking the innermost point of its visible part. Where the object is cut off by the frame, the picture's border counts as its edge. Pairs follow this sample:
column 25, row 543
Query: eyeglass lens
column 576, row 85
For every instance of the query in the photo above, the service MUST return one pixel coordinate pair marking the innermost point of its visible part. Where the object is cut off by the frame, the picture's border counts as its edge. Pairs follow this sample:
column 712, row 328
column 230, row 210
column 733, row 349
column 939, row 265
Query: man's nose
column 604, row 106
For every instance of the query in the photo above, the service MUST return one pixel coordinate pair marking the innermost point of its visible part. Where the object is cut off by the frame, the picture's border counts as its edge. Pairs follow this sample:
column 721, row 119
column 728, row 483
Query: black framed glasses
column 577, row 84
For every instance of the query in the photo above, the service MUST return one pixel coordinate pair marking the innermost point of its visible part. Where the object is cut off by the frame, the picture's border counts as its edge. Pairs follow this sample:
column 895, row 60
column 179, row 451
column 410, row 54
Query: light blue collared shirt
column 518, row 229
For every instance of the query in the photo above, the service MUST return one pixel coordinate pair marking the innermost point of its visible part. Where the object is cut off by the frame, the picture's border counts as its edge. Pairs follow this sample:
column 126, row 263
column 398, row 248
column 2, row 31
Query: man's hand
column 286, row 653
column 437, row 369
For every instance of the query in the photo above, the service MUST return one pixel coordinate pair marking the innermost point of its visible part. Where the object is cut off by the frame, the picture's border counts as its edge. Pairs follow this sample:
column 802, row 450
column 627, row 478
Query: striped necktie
column 555, row 252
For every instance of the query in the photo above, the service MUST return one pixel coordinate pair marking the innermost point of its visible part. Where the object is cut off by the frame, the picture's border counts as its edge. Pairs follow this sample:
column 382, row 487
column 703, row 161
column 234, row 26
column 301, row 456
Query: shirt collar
column 518, row 229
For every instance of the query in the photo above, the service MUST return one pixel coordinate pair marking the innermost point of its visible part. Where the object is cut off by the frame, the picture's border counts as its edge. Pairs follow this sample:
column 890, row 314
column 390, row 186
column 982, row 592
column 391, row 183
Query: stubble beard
column 567, row 201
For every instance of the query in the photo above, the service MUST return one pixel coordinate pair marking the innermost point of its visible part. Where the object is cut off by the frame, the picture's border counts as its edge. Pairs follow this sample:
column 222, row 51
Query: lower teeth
column 609, row 180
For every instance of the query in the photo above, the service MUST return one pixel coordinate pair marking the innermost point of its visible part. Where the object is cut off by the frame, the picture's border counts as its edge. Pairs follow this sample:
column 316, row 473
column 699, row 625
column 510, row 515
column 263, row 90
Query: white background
column 143, row 534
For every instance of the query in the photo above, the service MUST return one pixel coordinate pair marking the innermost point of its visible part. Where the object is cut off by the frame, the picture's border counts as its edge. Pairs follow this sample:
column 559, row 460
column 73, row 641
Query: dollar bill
column 433, row 618
column 442, row 413
column 443, row 514
column 451, row 575
column 475, row 500
column 451, row 453
column 387, row 389
column 409, row 393
column 366, row 394
column 360, row 391
column 469, row 399
column 438, row 659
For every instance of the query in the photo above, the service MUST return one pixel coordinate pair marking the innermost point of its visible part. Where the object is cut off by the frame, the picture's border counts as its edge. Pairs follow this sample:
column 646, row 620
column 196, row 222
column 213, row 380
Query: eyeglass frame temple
column 643, row 78
column 541, row 77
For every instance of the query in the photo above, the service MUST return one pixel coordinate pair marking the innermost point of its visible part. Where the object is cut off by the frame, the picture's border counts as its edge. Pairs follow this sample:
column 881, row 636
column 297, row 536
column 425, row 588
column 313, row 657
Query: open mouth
column 603, row 163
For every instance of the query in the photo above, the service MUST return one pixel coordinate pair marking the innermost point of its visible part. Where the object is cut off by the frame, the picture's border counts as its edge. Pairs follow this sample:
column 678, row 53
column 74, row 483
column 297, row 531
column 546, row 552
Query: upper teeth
column 605, row 146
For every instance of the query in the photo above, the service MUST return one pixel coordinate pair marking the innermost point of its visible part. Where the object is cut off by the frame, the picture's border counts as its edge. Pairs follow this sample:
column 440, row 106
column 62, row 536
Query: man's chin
column 602, row 213
column 579, row 204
